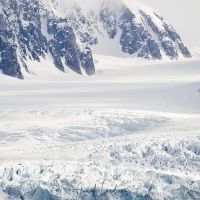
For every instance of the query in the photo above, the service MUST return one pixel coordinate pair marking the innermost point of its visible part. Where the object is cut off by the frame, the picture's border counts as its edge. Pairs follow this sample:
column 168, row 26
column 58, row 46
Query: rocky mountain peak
column 71, row 31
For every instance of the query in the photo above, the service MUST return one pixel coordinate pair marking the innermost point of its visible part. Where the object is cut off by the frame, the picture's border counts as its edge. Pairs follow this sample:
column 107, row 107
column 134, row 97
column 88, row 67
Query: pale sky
column 184, row 15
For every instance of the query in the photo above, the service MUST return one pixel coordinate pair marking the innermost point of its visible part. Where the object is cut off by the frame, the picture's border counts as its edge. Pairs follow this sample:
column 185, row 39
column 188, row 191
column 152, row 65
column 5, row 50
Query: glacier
column 129, row 130
column 134, row 129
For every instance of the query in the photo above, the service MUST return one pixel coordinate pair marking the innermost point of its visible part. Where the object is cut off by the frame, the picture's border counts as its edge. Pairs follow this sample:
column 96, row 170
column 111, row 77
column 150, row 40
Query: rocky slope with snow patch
column 68, row 32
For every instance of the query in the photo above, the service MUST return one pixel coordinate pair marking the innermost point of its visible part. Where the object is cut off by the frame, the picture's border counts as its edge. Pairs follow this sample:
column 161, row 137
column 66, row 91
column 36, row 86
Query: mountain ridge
column 71, row 31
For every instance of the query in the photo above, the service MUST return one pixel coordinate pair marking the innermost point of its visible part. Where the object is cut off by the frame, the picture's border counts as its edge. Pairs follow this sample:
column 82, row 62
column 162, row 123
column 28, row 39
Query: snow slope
column 126, row 83
column 134, row 124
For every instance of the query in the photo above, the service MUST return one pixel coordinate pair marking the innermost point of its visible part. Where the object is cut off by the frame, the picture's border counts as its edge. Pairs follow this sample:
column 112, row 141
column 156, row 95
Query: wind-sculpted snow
column 67, row 33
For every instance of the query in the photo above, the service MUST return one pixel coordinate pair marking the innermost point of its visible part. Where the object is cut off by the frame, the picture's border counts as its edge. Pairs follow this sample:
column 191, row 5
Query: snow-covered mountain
column 130, row 131
column 68, row 32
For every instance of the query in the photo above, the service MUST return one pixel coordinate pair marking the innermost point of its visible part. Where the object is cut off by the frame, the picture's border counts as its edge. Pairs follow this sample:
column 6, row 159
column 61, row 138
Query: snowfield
column 132, row 130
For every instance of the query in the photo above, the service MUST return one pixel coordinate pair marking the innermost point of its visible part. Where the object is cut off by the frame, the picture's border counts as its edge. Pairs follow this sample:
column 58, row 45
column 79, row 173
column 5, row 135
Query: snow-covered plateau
column 131, row 131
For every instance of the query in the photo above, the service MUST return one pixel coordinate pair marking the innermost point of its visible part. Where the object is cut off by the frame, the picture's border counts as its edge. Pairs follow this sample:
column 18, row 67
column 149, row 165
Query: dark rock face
column 8, row 59
column 184, row 50
column 168, row 37
column 31, row 30
column 64, row 45
column 108, row 18
column 87, row 61
column 31, row 38
column 154, row 49
column 164, row 38
column 135, row 37
column 22, row 35
column 8, row 56
column 21, row 22
column 82, row 25
column 130, row 39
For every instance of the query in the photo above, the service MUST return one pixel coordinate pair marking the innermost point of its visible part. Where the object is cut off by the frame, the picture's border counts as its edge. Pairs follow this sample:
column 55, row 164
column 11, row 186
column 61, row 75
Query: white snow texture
column 132, row 129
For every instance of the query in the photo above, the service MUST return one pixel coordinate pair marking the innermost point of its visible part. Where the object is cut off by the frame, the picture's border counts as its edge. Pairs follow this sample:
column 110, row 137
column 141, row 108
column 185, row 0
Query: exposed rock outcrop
column 34, row 29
